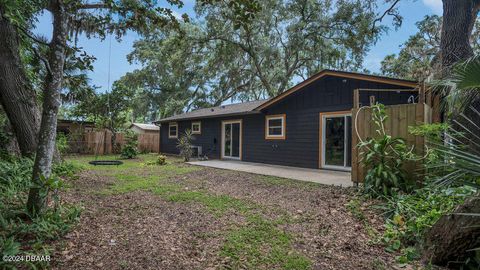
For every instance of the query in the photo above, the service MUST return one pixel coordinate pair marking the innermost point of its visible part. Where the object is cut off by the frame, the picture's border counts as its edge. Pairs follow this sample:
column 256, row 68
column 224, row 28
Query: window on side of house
column 172, row 130
column 275, row 127
column 196, row 127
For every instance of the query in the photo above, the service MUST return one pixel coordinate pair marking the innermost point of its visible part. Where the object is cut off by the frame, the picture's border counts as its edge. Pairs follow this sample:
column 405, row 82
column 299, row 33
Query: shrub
column 62, row 143
column 66, row 169
column 384, row 158
column 19, row 233
column 411, row 215
column 129, row 150
column 184, row 144
column 159, row 160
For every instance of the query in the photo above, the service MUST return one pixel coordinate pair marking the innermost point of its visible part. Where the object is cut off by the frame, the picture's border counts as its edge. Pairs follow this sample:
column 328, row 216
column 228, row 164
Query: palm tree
column 462, row 87
column 460, row 151
column 455, row 239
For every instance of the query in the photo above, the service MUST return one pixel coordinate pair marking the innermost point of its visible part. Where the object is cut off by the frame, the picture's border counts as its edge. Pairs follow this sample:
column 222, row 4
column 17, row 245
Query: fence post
column 421, row 94
column 356, row 98
column 354, row 157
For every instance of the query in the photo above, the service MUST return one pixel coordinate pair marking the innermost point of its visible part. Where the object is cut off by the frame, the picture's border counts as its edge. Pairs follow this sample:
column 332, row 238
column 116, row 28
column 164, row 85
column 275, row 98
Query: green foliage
column 411, row 215
column 419, row 55
column 462, row 86
column 184, row 144
column 19, row 233
column 66, row 169
column 260, row 242
column 210, row 60
column 129, row 150
column 384, row 158
column 454, row 161
column 159, row 160
column 62, row 143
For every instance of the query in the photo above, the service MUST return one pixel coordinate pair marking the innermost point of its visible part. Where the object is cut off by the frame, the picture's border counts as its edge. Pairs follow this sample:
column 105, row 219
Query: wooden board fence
column 400, row 117
column 100, row 142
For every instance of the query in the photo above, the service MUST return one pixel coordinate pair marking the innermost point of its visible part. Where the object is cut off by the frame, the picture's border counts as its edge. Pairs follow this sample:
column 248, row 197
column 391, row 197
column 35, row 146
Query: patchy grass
column 259, row 243
column 217, row 204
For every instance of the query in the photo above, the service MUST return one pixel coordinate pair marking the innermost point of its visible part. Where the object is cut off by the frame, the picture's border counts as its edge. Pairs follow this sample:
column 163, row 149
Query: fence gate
column 400, row 117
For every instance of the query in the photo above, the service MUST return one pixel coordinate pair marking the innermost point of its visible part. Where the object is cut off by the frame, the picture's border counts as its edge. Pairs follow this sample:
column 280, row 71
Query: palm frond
column 462, row 87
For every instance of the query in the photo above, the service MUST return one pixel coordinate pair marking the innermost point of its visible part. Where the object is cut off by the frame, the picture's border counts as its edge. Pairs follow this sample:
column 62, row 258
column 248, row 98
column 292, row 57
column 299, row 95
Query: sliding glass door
column 336, row 144
column 232, row 139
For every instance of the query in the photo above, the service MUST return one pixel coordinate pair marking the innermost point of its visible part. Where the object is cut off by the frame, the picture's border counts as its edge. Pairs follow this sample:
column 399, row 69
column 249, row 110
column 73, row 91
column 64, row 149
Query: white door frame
column 323, row 116
column 222, row 154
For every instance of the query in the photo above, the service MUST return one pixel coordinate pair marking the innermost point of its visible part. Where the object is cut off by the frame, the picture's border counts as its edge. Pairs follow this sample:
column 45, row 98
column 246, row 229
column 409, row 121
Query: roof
column 224, row 110
column 342, row 74
column 145, row 126
column 256, row 106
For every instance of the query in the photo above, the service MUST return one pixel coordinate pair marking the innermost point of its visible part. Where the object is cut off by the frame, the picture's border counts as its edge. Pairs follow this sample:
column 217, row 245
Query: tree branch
column 45, row 61
column 387, row 12
column 93, row 6
column 32, row 37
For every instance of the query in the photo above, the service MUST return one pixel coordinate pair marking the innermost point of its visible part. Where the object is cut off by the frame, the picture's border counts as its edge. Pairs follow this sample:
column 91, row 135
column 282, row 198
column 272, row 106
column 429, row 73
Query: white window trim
column 281, row 136
column 199, row 127
column 173, row 124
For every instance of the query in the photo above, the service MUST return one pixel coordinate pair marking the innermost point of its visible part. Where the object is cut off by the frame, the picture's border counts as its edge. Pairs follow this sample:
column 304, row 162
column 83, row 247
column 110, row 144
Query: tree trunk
column 450, row 238
column 453, row 235
column 458, row 20
column 47, row 135
column 16, row 94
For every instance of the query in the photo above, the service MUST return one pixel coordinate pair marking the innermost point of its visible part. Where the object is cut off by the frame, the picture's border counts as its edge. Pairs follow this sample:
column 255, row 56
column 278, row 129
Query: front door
column 336, row 144
column 232, row 139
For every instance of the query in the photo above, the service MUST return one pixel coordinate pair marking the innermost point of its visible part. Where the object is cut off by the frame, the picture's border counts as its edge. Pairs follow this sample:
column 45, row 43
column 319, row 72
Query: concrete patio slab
column 325, row 177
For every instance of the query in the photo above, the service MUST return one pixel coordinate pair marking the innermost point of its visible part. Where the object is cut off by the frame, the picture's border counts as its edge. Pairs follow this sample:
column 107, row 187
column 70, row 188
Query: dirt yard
column 178, row 216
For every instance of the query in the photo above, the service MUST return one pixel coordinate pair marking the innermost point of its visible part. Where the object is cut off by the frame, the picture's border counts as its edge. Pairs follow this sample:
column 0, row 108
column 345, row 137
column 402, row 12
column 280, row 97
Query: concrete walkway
column 312, row 175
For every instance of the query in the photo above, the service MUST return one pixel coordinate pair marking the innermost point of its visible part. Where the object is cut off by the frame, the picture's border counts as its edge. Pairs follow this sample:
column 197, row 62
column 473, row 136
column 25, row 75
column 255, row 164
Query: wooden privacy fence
column 400, row 117
column 100, row 142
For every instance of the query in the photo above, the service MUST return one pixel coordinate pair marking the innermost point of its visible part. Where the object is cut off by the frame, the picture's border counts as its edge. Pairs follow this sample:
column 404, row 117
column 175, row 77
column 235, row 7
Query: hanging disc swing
column 97, row 148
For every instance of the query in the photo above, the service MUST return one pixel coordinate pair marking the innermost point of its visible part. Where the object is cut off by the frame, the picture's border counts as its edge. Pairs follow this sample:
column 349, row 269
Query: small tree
column 184, row 144
column 130, row 150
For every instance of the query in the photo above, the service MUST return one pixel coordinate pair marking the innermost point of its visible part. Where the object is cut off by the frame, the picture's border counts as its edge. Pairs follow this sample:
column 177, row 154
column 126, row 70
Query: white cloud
column 435, row 5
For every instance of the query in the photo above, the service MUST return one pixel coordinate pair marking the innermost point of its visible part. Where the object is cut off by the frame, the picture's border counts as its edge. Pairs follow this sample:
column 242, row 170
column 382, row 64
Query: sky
column 411, row 10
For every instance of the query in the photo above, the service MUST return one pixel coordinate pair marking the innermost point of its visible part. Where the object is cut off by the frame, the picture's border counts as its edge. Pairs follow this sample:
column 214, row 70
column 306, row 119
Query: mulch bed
column 140, row 230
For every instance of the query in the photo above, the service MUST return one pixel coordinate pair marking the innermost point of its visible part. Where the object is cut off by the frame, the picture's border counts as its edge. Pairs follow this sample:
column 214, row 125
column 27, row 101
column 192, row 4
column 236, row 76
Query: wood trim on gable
column 341, row 74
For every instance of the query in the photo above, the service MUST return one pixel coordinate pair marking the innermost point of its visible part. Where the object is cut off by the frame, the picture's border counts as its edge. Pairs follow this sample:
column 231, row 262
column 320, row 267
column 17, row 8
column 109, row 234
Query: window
column 196, row 128
column 172, row 130
column 275, row 127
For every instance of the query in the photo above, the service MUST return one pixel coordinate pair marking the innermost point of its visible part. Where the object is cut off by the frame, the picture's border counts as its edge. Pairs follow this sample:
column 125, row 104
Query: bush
column 384, row 158
column 66, row 169
column 411, row 215
column 19, row 233
column 129, row 150
column 62, row 143
column 159, row 160
column 184, row 144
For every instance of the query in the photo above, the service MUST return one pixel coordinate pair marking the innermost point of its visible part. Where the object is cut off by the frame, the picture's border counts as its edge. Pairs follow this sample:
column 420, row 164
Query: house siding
column 301, row 146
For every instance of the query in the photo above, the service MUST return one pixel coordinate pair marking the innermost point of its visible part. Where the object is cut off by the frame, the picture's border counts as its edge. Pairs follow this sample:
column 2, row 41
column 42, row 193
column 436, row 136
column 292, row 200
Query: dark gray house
column 308, row 125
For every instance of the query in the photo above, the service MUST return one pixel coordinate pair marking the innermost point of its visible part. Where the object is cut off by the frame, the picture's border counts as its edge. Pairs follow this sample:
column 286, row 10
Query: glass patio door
column 231, row 139
column 337, row 141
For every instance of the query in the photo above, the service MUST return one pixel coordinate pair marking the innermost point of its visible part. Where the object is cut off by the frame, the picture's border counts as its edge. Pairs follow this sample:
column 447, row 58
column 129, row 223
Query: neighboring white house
column 144, row 128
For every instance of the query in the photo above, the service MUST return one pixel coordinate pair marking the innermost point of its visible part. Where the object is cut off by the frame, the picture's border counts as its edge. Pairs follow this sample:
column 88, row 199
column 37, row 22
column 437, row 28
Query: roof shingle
column 224, row 110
